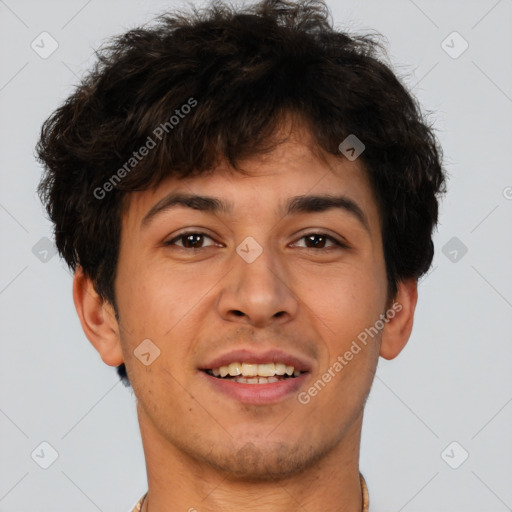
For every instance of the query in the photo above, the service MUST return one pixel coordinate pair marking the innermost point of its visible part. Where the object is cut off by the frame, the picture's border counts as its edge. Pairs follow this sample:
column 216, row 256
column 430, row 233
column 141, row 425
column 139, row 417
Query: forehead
column 273, row 183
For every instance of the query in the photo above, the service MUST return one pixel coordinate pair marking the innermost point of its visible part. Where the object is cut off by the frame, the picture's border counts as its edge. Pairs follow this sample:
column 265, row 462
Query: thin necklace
column 364, row 490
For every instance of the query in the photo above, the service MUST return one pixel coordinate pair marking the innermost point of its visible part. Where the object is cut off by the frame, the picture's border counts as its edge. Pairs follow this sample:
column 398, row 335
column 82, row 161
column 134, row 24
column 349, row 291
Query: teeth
column 235, row 369
column 280, row 368
column 249, row 370
column 256, row 380
column 265, row 372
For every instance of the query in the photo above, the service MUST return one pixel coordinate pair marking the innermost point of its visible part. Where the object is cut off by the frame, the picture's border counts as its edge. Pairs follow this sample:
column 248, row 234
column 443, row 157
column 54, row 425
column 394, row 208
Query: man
column 247, row 199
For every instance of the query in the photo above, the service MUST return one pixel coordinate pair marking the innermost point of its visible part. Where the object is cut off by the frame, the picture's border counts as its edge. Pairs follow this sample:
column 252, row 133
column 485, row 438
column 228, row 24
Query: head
column 249, row 106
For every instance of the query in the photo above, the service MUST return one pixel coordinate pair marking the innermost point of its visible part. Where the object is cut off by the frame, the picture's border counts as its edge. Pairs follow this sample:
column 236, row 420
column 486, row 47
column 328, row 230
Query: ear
column 397, row 330
column 98, row 319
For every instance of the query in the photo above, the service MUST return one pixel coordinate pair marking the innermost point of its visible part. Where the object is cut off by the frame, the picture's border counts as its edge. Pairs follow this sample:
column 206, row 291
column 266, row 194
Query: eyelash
column 338, row 244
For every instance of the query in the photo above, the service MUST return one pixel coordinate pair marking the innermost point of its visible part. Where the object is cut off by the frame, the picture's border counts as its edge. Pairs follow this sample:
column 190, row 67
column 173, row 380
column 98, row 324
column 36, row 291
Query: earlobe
column 397, row 330
column 98, row 319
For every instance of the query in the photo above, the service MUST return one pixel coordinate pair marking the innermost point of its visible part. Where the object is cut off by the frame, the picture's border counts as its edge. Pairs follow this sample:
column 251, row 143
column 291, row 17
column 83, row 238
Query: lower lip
column 258, row 393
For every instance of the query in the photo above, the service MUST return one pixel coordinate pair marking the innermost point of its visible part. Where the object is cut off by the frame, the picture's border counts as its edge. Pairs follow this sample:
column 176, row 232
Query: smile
column 257, row 384
column 250, row 373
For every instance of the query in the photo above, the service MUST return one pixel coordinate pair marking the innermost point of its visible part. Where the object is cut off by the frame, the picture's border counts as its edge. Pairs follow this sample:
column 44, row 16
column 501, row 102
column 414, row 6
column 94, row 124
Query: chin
column 265, row 461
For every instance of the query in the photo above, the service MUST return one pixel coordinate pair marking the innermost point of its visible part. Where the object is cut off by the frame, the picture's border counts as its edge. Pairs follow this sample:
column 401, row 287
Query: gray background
column 453, row 381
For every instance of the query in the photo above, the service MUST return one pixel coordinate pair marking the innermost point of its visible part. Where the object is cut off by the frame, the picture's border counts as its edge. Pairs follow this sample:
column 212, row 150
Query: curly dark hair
column 239, row 71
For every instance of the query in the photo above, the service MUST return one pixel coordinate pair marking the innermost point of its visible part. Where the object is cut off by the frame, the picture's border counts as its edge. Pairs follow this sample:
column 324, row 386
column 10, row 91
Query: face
column 263, row 280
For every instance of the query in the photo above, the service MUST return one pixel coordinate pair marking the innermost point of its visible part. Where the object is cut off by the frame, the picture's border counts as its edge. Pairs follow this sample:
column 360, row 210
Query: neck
column 178, row 482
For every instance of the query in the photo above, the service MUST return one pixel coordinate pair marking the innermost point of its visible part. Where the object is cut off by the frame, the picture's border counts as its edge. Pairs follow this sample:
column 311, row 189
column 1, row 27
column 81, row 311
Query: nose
column 257, row 293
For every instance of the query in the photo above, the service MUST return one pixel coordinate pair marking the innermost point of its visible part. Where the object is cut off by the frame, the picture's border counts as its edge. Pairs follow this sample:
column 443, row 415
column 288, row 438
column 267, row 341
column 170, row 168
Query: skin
column 204, row 449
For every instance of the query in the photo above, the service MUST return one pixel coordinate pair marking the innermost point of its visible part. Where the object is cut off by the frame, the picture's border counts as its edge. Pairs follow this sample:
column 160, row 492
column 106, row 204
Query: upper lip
column 243, row 355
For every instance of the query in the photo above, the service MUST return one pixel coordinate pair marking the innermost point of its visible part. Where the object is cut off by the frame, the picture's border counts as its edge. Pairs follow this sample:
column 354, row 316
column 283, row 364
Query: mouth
column 257, row 383
column 256, row 377
column 254, row 373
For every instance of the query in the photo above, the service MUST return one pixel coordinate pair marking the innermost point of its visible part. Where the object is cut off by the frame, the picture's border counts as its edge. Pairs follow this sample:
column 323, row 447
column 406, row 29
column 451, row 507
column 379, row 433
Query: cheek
column 156, row 307
column 162, row 305
column 344, row 301
column 347, row 311
column 156, row 297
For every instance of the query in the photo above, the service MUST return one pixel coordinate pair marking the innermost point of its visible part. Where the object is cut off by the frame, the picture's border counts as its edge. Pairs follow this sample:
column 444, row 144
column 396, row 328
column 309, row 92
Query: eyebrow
column 294, row 205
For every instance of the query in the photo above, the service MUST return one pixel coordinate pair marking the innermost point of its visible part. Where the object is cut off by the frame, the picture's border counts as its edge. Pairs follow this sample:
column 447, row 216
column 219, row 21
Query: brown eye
column 319, row 241
column 190, row 240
